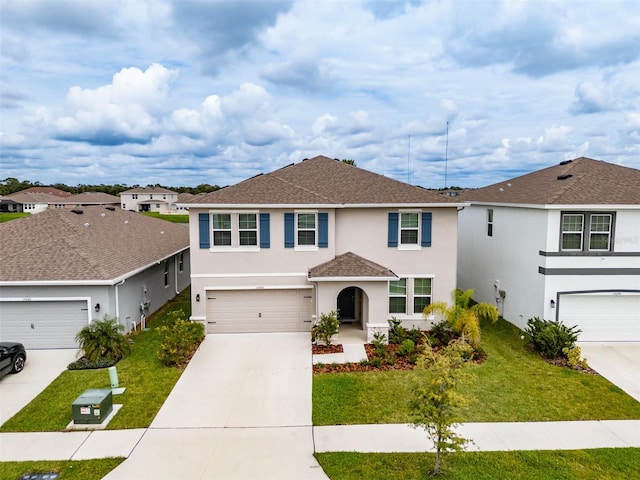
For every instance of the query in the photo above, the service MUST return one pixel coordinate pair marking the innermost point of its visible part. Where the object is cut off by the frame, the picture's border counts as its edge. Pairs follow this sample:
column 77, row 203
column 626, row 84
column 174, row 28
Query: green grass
column 176, row 218
column 513, row 384
column 69, row 470
column 5, row 217
column 597, row 464
column 148, row 383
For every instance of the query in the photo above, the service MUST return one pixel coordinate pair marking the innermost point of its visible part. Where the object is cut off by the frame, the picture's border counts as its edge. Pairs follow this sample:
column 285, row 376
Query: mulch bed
column 321, row 349
column 562, row 362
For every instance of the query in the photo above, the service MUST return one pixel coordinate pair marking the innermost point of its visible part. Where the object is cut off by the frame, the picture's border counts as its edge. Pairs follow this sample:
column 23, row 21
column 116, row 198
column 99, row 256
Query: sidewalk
column 336, row 438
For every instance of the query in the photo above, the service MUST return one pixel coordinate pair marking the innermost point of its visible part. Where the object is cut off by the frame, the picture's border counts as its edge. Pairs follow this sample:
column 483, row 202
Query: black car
column 12, row 358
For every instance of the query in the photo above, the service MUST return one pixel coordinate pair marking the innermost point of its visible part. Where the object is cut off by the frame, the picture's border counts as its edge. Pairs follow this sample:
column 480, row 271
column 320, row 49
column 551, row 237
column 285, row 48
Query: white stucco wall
column 510, row 258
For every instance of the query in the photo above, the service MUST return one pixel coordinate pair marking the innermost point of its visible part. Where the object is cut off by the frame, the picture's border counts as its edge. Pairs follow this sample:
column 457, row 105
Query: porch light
column 97, row 307
column 197, row 297
column 553, row 303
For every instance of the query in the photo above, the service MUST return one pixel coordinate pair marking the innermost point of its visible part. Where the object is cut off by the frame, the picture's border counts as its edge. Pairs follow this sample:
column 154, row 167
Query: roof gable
column 582, row 181
column 100, row 244
column 350, row 265
column 321, row 181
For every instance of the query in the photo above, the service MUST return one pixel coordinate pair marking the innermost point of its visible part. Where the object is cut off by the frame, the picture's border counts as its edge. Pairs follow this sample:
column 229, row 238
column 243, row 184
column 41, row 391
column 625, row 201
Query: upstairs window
column 247, row 229
column 489, row 222
column 306, row 229
column 409, row 228
column 600, row 232
column 221, row 229
column 586, row 231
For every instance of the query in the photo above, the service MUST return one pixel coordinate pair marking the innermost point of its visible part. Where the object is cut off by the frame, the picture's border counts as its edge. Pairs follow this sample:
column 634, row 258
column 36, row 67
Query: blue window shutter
column 289, row 231
column 205, row 235
column 393, row 229
column 426, row 229
column 323, row 230
column 265, row 235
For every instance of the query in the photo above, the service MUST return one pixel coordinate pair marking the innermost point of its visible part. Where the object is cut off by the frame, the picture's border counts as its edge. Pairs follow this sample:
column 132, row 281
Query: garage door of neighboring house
column 603, row 317
column 243, row 311
column 43, row 324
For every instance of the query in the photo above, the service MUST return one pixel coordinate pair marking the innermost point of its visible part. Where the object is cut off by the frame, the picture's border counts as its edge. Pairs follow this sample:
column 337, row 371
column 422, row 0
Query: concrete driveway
column 618, row 362
column 241, row 410
column 42, row 368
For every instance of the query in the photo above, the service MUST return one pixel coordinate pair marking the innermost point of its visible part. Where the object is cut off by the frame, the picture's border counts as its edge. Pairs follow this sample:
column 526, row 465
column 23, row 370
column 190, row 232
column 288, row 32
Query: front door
column 347, row 304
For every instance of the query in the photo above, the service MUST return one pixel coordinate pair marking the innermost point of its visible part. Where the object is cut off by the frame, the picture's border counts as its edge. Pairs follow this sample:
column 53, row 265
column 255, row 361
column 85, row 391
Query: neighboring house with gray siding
column 561, row 243
column 62, row 268
column 274, row 252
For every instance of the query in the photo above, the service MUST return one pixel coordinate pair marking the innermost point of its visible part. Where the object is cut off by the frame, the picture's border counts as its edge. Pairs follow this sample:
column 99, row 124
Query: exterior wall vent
column 564, row 177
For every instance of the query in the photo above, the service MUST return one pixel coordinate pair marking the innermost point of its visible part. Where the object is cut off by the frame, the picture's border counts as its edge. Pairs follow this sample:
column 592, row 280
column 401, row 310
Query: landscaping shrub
column 574, row 358
column 84, row 364
column 180, row 339
column 102, row 340
column 326, row 328
column 551, row 337
column 440, row 334
column 398, row 333
column 407, row 347
column 379, row 344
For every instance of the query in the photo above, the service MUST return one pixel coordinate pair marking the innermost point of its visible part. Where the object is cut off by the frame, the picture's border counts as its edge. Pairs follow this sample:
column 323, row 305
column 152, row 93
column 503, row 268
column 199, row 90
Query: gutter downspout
column 118, row 299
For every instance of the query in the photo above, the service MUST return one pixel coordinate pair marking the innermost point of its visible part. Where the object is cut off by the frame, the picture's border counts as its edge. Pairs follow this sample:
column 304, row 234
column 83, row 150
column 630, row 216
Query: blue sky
column 190, row 92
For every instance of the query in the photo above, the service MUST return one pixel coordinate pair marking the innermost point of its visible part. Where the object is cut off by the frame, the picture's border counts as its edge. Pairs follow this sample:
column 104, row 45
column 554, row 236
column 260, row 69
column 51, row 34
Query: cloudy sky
column 190, row 92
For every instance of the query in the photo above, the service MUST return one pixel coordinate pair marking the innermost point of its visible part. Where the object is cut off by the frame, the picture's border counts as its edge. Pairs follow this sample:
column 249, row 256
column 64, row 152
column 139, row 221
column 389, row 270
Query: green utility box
column 93, row 406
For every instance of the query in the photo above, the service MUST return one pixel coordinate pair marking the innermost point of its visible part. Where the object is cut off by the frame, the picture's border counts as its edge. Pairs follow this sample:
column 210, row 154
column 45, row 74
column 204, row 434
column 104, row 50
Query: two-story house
column 274, row 252
column 561, row 243
column 149, row 199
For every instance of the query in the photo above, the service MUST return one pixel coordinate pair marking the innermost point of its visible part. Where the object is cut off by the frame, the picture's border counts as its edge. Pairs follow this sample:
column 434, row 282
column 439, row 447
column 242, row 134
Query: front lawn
column 596, row 464
column 148, row 383
column 174, row 217
column 68, row 469
column 513, row 385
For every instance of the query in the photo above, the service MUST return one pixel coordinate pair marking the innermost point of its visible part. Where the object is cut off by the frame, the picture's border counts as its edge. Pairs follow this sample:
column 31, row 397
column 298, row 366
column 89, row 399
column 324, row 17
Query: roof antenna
column 409, row 162
column 446, row 156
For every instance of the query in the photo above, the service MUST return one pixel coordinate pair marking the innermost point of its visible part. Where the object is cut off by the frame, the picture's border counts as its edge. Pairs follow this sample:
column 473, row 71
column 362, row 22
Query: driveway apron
column 241, row 410
column 618, row 362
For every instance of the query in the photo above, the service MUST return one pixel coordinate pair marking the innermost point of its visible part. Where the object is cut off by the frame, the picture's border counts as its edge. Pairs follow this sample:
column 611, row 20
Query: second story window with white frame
column 489, row 222
column 306, row 229
column 600, row 232
column 409, row 228
column 221, row 230
column 247, row 229
column 572, row 226
column 587, row 231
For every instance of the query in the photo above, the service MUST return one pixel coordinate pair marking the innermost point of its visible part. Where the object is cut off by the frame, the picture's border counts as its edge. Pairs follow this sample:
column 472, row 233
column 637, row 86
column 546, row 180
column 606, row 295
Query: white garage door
column 43, row 324
column 239, row 311
column 603, row 317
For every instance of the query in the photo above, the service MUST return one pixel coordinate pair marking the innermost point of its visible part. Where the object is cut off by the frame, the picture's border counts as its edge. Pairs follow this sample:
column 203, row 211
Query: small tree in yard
column 462, row 317
column 326, row 328
column 436, row 402
column 102, row 339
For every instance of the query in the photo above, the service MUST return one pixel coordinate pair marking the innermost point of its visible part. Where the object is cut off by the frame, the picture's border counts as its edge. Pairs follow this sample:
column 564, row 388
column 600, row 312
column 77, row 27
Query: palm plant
column 462, row 317
column 101, row 339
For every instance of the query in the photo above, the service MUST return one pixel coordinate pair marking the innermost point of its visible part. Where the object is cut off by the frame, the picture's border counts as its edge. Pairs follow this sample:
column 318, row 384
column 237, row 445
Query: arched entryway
column 349, row 305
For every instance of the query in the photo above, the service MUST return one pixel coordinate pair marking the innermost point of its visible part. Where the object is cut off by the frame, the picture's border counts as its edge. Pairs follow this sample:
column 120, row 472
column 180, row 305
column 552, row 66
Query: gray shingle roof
column 95, row 198
column 98, row 245
column 320, row 181
column 582, row 181
column 350, row 265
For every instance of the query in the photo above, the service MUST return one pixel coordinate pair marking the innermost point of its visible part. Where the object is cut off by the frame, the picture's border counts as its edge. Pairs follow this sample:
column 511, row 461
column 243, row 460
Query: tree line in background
column 12, row 185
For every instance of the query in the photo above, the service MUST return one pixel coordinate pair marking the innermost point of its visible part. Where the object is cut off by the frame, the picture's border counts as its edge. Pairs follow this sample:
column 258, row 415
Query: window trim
column 410, row 246
column 297, row 245
column 165, row 273
column 586, row 231
column 390, row 296
column 415, row 295
column 235, row 231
